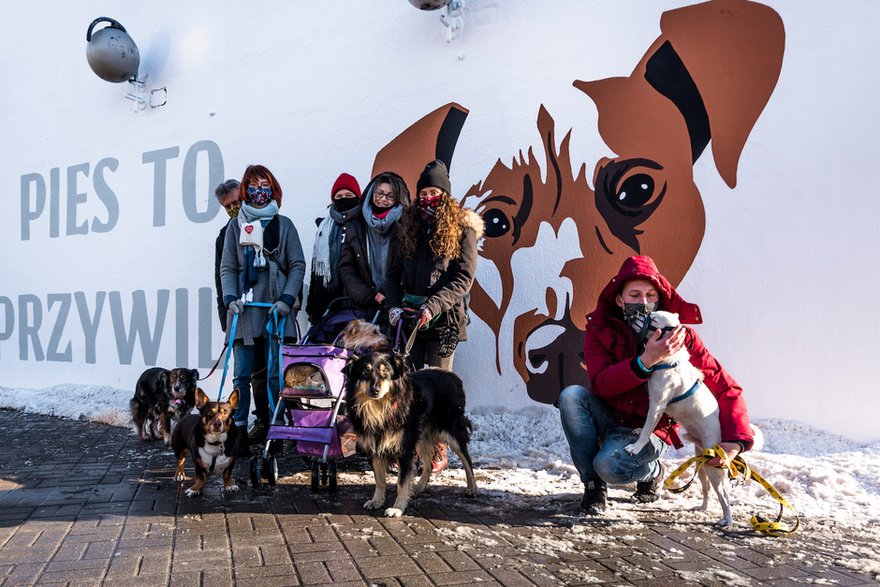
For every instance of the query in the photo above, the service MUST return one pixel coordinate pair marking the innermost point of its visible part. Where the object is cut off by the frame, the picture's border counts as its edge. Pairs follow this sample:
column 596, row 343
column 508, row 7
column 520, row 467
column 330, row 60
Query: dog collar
column 664, row 366
column 688, row 393
column 218, row 443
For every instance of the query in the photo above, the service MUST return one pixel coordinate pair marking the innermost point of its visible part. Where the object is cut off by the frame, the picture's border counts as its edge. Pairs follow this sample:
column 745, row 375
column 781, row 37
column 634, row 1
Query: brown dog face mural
column 553, row 241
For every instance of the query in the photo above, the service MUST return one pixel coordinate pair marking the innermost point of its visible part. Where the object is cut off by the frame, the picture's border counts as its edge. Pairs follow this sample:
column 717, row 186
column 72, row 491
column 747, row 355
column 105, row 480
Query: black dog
column 161, row 396
column 400, row 414
column 211, row 437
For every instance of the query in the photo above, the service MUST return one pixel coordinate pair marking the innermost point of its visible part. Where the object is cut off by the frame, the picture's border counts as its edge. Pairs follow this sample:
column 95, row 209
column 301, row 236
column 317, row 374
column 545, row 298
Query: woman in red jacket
column 600, row 421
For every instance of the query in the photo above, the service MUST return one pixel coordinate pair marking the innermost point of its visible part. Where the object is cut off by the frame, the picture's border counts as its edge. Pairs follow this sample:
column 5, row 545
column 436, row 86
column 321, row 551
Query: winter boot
column 649, row 491
column 595, row 499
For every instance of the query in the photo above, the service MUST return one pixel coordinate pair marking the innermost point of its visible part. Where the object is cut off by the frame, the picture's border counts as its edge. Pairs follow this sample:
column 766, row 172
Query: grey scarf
column 378, row 240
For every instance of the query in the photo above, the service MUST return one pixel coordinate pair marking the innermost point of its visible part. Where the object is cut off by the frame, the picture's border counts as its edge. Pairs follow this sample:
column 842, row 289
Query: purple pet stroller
column 312, row 398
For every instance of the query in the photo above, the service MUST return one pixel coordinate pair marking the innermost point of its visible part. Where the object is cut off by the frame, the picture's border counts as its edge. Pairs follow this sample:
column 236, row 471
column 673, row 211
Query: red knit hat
column 346, row 182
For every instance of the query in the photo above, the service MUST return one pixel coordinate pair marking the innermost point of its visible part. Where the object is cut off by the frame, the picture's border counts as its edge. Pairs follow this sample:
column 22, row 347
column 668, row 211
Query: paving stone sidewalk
column 88, row 504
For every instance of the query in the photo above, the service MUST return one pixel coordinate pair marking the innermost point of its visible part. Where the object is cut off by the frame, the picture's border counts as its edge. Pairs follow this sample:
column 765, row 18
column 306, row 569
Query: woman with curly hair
column 432, row 271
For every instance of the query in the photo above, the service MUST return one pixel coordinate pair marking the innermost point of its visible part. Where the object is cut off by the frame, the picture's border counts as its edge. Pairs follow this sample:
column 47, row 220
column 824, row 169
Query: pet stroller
column 312, row 399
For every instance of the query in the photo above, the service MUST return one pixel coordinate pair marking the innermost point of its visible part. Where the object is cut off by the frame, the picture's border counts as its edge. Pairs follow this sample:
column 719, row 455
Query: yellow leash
column 737, row 469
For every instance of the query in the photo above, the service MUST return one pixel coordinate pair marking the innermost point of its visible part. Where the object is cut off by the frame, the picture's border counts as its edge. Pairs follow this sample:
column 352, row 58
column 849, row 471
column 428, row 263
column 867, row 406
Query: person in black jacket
column 432, row 272
column 325, row 284
column 228, row 194
column 365, row 260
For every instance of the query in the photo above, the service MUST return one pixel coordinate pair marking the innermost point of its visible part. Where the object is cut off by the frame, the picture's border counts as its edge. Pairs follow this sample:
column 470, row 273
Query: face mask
column 634, row 309
column 259, row 196
column 233, row 212
column 344, row 204
column 427, row 215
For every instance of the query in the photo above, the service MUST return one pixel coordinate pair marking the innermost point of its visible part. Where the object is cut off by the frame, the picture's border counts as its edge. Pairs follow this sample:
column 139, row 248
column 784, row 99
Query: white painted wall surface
column 787, row 275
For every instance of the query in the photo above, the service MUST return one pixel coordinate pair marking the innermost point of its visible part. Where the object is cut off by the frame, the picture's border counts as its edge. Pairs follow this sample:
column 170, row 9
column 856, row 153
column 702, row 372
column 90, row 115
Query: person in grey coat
column 262, row 262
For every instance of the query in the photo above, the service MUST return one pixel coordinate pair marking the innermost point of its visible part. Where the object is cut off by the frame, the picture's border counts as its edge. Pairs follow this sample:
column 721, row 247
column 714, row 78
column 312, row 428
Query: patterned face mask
column 259, row 196
column 634, row 309
column 233, row 212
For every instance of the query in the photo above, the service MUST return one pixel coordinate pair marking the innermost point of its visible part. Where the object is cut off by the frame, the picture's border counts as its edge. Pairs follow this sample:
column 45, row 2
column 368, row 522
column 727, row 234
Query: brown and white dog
column 398, row 414
column 676, row 387
column 160, row 397
column 211, row 437
column 552, row 239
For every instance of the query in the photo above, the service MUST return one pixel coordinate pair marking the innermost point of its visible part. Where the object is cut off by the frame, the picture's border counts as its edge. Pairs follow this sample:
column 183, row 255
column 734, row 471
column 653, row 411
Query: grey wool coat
column 280, row 280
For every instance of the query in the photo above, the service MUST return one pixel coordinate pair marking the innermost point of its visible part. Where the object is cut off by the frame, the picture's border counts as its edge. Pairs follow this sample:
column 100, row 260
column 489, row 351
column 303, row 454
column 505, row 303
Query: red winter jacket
column 610, row 345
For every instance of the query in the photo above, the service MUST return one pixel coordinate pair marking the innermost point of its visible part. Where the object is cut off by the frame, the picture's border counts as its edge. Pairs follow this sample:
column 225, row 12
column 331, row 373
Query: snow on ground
column 522, row 459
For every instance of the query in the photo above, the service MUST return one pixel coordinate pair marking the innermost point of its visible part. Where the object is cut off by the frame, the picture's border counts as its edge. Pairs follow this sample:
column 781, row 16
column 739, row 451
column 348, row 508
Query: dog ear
column 733, row 52
column 349, row 362
column 233, row 398
column 163, row 380
column 201, row 398
column 398, row 366
column 431, row 137
column 195, row 374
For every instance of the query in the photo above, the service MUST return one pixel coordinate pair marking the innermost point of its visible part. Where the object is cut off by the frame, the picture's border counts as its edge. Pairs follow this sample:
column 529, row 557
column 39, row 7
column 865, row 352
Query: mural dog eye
column 552, row 240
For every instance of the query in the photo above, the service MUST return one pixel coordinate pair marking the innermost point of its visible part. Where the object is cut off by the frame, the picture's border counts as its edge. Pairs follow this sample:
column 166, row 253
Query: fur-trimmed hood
column 472, row 220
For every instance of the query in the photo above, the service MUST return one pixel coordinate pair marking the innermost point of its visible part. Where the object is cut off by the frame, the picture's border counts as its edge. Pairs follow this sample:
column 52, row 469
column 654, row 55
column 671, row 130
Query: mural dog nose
column 557, row 364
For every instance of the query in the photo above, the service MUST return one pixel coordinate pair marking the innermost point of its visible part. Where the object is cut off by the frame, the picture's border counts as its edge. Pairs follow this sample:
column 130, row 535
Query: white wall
column 786, row 275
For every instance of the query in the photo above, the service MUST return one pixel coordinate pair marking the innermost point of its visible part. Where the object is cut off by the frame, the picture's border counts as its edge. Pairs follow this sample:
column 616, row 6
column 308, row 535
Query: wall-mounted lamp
column 114, row 57
column 451, row 17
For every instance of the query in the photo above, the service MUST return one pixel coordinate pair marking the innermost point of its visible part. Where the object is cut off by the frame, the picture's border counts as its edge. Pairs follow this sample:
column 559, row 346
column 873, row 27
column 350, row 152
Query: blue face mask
column 259, row 196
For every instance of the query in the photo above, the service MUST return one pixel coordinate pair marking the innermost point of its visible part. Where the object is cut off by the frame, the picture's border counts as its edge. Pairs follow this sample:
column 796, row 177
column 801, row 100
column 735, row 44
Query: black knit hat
column 435, row 175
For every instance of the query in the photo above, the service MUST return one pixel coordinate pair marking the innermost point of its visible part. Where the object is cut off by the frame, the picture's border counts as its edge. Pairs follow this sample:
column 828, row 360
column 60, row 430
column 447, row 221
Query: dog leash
column 738, row 469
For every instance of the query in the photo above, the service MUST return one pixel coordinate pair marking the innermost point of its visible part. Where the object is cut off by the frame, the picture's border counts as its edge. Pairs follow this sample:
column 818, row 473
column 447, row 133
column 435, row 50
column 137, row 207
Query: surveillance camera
column 429, row 4
column 111, row 53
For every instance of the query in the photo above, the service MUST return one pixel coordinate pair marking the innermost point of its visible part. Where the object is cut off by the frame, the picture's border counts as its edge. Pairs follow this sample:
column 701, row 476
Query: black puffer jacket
column 218, row 254
column 445, row 282
column 354, row 267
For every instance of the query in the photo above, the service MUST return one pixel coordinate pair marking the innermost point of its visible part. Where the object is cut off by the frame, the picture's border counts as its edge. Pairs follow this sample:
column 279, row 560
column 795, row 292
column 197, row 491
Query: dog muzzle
column 644, row 327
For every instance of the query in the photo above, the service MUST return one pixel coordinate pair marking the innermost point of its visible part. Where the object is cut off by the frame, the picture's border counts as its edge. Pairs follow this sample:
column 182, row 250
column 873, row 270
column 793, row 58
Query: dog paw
column 393, row 513
column 631, row 449
column 725, row 522
column 192, row 492
column 231, row 488
column 180, row 478
column 374, row 504
column 471, row 492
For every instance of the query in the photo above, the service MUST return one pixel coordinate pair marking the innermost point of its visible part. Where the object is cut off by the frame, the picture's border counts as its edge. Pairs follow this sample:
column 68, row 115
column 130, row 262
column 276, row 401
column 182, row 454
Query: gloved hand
column 282, row 308
column 394, row 315
column 424, row 316
column 235, row 306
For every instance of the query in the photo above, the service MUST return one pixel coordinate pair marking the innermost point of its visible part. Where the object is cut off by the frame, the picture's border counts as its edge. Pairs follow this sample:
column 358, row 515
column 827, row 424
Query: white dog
column 677, row 388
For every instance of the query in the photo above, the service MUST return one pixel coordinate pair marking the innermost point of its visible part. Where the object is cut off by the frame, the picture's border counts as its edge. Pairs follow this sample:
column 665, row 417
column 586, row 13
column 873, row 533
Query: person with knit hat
column 432, row 271
column 598, row 422
column 365, row 259
column 325, row 284
column 262, row 262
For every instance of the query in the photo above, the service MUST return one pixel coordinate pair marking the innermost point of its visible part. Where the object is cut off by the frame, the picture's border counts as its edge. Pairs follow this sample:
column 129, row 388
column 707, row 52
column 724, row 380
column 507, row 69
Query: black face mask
column 634, row 309
column 345, row 204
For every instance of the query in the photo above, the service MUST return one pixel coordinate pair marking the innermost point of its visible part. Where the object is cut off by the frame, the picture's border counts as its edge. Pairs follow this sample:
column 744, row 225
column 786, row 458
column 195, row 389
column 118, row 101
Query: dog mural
column 551, row 239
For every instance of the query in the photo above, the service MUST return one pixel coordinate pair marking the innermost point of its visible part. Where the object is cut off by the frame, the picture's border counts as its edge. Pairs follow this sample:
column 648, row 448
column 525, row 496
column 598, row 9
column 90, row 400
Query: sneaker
column 595, row 499
column 649, row 491
column 439, row 461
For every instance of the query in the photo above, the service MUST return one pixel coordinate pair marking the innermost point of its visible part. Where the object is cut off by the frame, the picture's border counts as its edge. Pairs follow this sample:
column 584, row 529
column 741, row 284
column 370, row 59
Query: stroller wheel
column 332, row 483
column 270, row 470
column 323, row 473
column 256, row 467
column 315, row 477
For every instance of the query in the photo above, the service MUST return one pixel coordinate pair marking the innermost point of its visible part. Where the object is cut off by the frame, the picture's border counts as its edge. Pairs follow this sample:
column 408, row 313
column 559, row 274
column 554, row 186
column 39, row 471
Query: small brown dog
column 361, row 336
column 211, row 437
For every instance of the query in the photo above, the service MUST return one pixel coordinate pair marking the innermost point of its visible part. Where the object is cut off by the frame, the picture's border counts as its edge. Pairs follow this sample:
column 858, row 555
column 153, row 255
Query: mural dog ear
column 552, row 244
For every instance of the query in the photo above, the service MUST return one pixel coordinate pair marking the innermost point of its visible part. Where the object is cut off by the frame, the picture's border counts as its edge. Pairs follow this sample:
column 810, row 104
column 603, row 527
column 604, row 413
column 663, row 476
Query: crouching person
column 598, row 423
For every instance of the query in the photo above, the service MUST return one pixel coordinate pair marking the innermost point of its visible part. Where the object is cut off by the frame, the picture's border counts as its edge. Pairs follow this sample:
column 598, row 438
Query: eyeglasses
column 379, row 194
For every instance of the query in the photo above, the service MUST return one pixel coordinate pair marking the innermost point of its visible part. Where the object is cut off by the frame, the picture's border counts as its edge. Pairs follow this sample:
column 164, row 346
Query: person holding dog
column 325, row 284
column 364, row 265
column 599, row 422
column 262, row 262
column 432, row 271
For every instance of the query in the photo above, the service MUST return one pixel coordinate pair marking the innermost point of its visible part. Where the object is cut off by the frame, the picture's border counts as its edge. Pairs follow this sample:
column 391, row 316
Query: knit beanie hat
column 346, row 182
column 435, row 175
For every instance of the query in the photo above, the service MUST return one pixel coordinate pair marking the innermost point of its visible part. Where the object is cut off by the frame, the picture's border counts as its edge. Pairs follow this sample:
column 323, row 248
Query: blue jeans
column 244, row 367
column 596, row 441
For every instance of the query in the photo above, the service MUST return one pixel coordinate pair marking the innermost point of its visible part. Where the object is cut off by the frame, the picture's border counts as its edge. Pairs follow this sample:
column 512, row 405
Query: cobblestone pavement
column 84, row 503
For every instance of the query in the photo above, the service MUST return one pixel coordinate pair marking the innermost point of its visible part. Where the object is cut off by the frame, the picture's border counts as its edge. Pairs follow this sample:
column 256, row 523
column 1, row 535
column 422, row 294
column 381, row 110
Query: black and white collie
column 399, row 415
